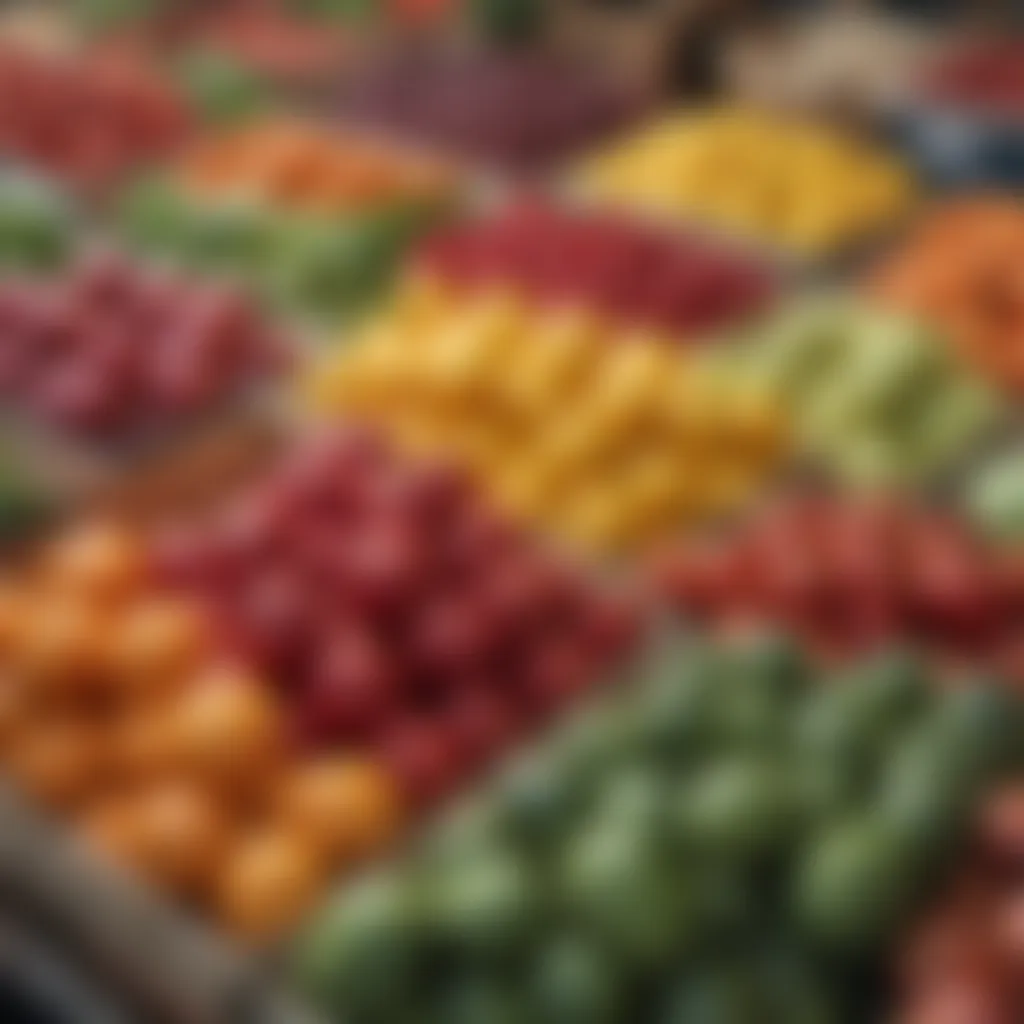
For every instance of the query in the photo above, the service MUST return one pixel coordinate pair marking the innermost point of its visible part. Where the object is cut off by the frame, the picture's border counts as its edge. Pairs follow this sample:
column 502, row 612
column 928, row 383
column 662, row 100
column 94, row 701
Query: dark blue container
column 958, row 148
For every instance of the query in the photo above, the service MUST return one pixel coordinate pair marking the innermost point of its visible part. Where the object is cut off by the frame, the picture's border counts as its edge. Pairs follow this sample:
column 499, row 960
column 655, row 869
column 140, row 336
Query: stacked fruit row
column 314, row 219
column 72, row 352
column 875, row 396
column 684, row 285
column 120, row 711
column 961, row 268
column 802, row 190
column 89, row 123
column 599, row 435
column 513, row 111
column 270, row 39
column 850, row 575
column 742, row 839
column 303, row 166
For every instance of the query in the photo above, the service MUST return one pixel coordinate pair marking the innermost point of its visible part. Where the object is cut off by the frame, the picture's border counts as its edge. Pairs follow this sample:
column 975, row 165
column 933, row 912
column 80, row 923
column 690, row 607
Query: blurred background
column 940, row 82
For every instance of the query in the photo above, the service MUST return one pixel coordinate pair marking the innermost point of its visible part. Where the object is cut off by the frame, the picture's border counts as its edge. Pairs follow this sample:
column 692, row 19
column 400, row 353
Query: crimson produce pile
column 448, row 549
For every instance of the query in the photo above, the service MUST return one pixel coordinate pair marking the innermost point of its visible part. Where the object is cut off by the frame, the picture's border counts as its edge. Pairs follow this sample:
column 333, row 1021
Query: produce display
column 681, row 284
column 850, row 575
column 306, row 167
column 277, row 40
column 319, row 267
column 960, row 268
column 120, row 712
column 876, row 397
column 114, row 351
column 966, row 956
column 505, row 109
column 471, row 557
column 735, row 842
column 394, row 611
column 803, row 189
column 87, row 122
column 605, row 438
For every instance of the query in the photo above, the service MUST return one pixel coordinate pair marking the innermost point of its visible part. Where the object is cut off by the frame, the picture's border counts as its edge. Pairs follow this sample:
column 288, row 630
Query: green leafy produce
column 323, row 269
column 749, row 875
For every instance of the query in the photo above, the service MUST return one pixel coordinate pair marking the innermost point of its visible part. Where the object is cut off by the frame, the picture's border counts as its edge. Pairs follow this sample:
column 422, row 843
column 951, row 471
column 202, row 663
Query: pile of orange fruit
column 963, row 268
column 299, row 165
column 117, row 710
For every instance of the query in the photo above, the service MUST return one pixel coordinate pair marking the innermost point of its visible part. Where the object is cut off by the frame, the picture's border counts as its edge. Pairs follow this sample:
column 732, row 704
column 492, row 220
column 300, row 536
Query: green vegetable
column 574, row 983
column 730, row 839
column 479, row 1000
column 887, row 690
column 725, row 995
column 853, row 884
column 361, row 953
column 831, row 728
column 740, row 809
column 488, row 908
column 924, row 796
column 980, row 727
column 617, row 885
column 535, row 801
column 322, row 269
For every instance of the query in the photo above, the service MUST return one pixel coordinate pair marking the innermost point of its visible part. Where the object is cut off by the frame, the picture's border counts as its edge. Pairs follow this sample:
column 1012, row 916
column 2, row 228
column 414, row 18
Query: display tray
column 165, row 967
column 40, row 984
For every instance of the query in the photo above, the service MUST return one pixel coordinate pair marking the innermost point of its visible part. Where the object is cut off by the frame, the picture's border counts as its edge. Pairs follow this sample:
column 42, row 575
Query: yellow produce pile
column 605, row 437
column 790, row 185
